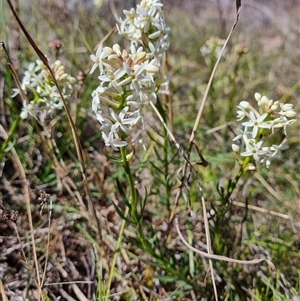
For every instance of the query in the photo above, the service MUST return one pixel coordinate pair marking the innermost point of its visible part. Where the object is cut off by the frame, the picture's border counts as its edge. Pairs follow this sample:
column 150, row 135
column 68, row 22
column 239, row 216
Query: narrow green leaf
column 120, row 213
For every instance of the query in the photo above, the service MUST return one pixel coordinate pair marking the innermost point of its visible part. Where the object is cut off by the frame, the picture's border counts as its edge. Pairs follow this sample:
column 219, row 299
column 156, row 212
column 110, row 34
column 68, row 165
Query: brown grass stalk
column 79, row 150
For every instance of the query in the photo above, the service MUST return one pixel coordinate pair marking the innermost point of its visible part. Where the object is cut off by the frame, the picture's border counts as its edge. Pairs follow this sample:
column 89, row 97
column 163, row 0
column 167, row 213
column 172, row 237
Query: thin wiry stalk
column 48, row 242
column 178, row 146
column 26, row 193
column 208, row 243
column 199, row 115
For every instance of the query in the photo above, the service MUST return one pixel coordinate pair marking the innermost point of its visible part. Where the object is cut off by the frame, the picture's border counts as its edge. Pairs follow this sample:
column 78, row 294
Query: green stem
column 145, row 244
column 166, row 170
column 237, row 177
column 11, row 133
column 116, row 254
column 133, row 196
column 133, row 203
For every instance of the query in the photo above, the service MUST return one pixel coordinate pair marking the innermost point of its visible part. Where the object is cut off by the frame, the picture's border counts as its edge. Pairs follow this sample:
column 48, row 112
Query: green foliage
column 133, row 192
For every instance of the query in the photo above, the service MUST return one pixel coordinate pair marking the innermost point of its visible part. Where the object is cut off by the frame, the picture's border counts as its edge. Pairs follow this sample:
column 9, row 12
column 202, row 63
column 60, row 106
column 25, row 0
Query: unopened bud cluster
column 126, row 77
column 270, row 116
column 146, row 25
column 43, row 96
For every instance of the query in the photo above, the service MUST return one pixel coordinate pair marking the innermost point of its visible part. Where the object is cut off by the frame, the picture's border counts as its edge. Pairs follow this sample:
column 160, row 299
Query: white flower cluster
column 146, row 25
column 45, row 96
column 126, row 86
column 126, row 78
column 270, row 116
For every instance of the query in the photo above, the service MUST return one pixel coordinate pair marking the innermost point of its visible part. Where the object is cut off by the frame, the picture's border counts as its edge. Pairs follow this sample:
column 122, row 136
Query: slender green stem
column 133, row 203
column 166, row 170
column 145, row 244
column 237, row 177
column 133, row 196
column 116, row 254
column 11, row 133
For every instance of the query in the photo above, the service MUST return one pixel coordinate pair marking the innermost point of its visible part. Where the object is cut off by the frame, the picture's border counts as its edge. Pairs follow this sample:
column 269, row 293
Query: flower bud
column 117, row 49
column 235, row 148
column 257, row 96
column 274, row 107
column 287, row 107
column 290, row 113
column 244, row 104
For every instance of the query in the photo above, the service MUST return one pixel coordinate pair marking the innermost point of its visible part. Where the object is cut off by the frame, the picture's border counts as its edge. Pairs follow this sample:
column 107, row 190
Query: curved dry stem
column 220, row 257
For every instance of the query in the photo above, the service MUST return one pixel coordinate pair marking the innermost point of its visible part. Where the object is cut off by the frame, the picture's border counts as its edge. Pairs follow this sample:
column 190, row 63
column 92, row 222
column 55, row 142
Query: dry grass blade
column 178, row 146
column 26, row 192
column 2, row 292
column 208, row 243
column 45, row 198
column 65, row 295
column 262, row 210
column 78, row 293
column 271, row 190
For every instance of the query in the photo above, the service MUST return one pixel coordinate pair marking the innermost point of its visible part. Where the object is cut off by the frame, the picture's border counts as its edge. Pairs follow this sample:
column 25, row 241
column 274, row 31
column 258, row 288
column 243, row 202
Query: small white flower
column 257, row 123
column 120, row 121
column 96, row 101
column 282, row 122
column 242, row 111
column 98, row 59
column 16, row 92
column 105, row 122
column 30, row 75
column 49, row 91
column 277, row 115
column 112, row 79
column 253, row 149
column 241, row 133
column 28, row 110
column 276, row 149
column 112, row 141
column 131, row 15
column 134, row 76
column 146, row 18
column 46, row 96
